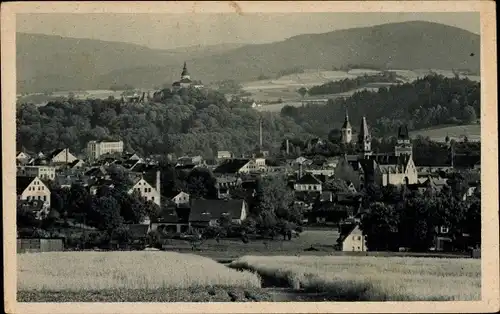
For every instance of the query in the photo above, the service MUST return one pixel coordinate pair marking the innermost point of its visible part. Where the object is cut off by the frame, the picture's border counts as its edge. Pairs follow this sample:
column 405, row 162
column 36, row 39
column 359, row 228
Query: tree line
column 179, row 122
column 412, row 219
column 430, row 101
column 346, row 85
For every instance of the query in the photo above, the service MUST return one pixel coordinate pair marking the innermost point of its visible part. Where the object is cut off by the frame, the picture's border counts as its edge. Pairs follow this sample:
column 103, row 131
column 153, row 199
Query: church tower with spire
column 346, row 130
column 185, row 80
column 185, row 74
column 364, row 140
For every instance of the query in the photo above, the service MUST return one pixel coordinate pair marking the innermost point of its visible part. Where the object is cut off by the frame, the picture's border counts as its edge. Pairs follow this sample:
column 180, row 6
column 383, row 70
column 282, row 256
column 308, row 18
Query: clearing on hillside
column 456, row 132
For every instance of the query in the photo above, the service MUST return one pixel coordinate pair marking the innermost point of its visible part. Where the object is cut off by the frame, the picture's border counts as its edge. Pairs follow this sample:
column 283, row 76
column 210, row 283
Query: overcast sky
column 176, row 30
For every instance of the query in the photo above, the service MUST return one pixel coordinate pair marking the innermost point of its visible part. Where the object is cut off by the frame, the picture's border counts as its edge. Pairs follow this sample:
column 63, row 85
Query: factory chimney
column 260, row 134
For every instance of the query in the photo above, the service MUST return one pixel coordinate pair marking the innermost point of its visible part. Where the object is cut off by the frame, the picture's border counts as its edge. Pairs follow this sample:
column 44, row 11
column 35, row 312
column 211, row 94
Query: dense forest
column 188, row 121
column 346, row 85
column 429, row 101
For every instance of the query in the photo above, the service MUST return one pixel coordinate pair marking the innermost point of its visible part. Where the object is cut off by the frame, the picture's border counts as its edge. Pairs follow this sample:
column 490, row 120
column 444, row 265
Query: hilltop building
column 185, row 80
column 346, row 131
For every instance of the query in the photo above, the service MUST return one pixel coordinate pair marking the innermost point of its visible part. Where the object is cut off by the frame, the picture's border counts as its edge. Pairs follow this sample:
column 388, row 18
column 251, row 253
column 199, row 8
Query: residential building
column 44, row 172
column 308, row 183
column 149, row 190
column 190, row 161
column 61, row 156
column 96, row 149
column 33, row 188
column 206, row 213
column 22, row 157
column 352, row 239
column 235, row 166
column 172, row 221
column 181, row 199
column 224, row 154
column 76, row 164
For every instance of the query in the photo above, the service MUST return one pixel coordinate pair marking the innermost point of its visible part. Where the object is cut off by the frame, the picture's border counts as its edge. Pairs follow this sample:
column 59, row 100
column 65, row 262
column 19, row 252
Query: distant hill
column 52, row 61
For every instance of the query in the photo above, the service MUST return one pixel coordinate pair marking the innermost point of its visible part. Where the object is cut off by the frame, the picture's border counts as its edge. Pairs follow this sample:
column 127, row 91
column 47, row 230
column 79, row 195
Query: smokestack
column 66, row 156
column 158, row 186
column 287, row 146
column 260, row 134
column 300, row 171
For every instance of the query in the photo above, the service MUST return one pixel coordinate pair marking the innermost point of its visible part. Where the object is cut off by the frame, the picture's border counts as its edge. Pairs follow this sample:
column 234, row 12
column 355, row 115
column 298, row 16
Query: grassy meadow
column 355, row 278
column 129, row 276
column 456, row 132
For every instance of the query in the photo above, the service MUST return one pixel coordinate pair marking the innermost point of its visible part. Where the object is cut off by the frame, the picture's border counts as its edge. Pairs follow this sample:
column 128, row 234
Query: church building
column 346, row 131
column 380, row 169
column 185, row 80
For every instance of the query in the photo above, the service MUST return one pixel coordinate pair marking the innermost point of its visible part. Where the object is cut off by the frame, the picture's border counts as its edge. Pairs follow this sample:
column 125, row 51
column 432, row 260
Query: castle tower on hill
column 346, row 131
column 364, row 140
column 403, row 146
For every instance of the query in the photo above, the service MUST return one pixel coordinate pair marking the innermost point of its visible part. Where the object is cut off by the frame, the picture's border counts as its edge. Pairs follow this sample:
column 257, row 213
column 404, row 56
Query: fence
column 39, row 245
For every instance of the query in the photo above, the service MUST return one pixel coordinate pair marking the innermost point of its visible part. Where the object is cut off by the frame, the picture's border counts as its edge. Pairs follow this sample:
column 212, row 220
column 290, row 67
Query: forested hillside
column 188, row 121
column 430, row 101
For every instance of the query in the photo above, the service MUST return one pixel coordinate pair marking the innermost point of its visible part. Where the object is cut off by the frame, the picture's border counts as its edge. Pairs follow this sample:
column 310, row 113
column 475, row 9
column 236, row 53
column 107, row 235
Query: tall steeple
column 364, row 139
column 185, row 73
column 346, row 130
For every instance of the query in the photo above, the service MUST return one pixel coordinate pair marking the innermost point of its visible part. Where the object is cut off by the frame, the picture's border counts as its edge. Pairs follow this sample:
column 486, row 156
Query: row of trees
column 429, row 101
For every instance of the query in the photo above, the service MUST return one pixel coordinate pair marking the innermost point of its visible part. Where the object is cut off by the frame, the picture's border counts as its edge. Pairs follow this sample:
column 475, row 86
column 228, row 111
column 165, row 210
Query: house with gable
column 22, row 157
column 76, row 164
column 61, row 156
column 308, row 183
column 181, row 199
column 352, row 239
column 33, row 188
column 397, row 170
column 148, row 186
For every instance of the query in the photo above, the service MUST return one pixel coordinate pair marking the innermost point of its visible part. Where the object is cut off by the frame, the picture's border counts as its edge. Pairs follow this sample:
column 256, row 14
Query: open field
column 286, row 87
column 350, row 278
column 456, row 132
column 101, row 274
column 228, row 249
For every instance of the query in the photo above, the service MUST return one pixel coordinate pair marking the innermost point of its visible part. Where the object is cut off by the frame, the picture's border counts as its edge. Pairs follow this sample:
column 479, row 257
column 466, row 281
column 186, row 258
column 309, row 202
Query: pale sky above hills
column 166, row 31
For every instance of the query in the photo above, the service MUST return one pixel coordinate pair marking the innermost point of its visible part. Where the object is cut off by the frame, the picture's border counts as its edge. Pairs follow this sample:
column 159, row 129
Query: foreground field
column 94, row 273
column 352, row 278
